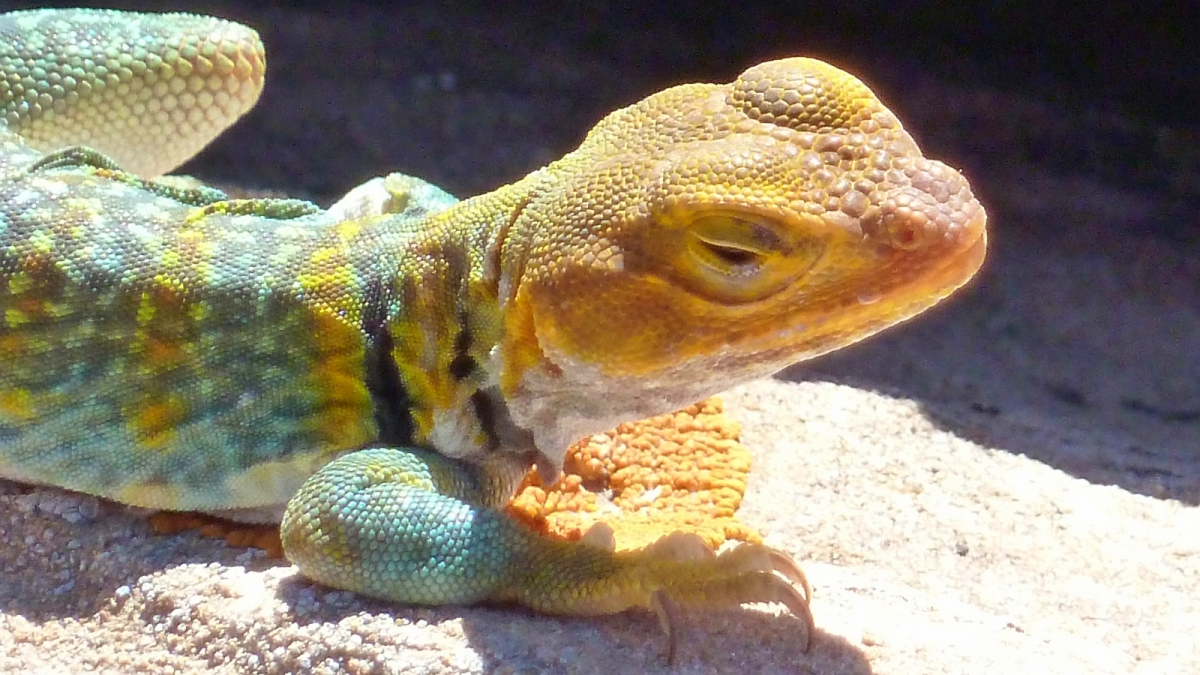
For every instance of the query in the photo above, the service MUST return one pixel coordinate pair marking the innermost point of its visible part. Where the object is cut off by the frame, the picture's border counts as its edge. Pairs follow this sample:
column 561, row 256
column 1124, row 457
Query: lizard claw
column 668, row 618
column 747, row 573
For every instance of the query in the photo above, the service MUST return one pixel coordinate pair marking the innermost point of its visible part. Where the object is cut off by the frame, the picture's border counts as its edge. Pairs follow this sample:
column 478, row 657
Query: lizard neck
column 433, row 321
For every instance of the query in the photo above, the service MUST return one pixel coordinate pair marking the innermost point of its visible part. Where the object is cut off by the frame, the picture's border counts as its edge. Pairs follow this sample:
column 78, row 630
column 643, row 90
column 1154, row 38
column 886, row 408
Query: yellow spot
column 155, row 421
column 41, row 242
column 20, row 283
column 347, row 229
column 323, row 255
column 17, row 404
column 520, row 350
column 12, row 345
column 146, row 308
column 161, row 354
column 15, row 318
column 193, row 237
column 346, row 417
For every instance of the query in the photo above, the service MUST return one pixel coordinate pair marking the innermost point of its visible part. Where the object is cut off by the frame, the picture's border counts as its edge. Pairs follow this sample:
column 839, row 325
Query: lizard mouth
column 962, row 266
column 896, row 293
column 915, row 288
column 957, row 268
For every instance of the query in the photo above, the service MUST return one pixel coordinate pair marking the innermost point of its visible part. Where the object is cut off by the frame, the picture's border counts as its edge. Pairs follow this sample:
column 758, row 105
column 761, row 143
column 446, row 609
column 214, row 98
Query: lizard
column 378, row 376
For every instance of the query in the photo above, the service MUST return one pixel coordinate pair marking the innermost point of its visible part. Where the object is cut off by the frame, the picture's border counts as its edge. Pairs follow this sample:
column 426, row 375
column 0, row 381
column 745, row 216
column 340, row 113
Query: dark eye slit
column 732, row 254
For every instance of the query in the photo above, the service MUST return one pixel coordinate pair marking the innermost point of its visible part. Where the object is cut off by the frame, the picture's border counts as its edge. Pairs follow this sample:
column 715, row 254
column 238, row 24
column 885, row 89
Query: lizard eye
column 730, row 255
column 732, row 258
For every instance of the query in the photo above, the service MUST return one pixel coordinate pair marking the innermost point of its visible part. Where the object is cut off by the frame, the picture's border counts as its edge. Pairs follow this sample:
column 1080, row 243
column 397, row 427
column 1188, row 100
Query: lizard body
column 390, row 368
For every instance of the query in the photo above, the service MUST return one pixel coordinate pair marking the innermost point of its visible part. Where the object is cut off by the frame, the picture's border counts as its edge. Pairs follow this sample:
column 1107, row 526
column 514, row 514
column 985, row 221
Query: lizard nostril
column 908, row 228
column 934, row 207
column 908, row 219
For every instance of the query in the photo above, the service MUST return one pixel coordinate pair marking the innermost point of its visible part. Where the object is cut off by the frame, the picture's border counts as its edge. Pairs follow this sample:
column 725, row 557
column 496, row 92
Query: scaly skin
column 166, row 347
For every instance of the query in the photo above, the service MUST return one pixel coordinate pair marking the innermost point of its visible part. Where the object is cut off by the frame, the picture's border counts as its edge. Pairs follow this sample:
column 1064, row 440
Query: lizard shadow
column 511, row 638
column 113, row 572
column 59, row 568
column 1004, row 396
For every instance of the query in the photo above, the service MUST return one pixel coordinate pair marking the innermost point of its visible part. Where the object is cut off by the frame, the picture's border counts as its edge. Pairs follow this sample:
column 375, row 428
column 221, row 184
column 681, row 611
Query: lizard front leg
column 415, row 527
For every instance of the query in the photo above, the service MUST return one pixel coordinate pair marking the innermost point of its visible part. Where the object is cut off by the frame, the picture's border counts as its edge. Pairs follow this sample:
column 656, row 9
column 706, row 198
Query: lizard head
column 713, row 234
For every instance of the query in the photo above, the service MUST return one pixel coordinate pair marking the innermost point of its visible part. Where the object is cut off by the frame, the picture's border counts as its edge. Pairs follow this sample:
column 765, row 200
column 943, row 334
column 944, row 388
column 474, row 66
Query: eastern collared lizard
column 380, row 375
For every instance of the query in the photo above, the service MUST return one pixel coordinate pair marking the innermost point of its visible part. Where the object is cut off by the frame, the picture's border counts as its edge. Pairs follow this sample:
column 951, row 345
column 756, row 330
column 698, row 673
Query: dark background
column 474, row 94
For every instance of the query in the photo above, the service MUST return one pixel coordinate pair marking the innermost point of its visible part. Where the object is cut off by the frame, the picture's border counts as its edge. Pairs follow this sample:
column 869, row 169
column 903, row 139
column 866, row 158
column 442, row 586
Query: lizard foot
column 697, row 576
column 415, row 527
